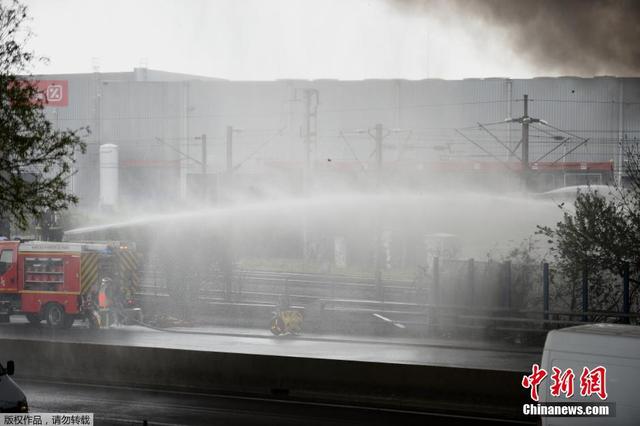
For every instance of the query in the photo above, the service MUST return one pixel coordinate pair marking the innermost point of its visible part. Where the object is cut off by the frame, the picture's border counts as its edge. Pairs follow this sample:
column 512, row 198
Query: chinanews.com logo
column 592, row 382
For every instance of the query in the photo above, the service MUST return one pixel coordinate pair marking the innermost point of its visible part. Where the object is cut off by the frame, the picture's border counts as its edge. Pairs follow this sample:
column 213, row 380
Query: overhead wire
column 355, row 156
column 260, row 148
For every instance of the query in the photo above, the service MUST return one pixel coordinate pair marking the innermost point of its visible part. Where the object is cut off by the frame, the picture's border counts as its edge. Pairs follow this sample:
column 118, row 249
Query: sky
column 267, row 40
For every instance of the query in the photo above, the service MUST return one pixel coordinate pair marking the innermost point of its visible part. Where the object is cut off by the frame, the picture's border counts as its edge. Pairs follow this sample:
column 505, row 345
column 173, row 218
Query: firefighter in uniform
column 104, row 302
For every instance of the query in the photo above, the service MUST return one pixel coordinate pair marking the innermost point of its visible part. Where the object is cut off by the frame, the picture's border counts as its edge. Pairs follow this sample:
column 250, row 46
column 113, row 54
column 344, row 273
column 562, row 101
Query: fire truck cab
column 59, row 282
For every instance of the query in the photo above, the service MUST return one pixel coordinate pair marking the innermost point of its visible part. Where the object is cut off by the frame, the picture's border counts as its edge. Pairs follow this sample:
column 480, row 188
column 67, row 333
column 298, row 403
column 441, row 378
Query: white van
column 613, row 346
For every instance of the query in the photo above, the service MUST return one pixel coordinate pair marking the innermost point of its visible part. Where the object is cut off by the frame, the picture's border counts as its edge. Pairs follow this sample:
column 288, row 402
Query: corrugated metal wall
column 156, row 123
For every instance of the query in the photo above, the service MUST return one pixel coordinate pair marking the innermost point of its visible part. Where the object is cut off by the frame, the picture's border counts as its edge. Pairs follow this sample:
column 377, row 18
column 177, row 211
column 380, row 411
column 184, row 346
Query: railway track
column 340, row 301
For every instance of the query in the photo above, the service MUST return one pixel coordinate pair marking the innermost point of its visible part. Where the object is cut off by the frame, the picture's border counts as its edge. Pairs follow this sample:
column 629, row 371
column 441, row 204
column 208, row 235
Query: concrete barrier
column 398, row 386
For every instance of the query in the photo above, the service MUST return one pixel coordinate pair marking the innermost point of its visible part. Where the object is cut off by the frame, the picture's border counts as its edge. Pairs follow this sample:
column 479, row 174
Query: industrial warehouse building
column 288, row 129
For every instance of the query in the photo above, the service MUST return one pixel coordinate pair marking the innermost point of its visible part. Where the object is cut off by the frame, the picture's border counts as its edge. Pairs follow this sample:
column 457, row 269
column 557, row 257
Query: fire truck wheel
column 55, row 316
column 34, row 318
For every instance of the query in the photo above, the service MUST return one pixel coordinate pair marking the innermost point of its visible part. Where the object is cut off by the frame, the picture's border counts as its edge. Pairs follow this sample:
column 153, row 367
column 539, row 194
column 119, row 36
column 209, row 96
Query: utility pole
column 525, row 121
column 227, row 257
column 378, row 134
column 204, row 156
column 525, row 135
column 310, row 135
column 621, row 136
column 311, row 101
column 204, row 187
column 229, row 150
column 228, row 174
column 379, row 138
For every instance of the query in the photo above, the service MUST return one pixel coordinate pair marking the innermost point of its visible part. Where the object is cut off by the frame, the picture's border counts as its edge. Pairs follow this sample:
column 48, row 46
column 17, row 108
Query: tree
column 601, row 236
column 523, row 263
column 35, row 158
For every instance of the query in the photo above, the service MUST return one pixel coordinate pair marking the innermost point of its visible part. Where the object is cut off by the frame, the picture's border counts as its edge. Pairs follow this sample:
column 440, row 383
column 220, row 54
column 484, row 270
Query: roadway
column 437, row 352
column 131, row 405
column 121, row 406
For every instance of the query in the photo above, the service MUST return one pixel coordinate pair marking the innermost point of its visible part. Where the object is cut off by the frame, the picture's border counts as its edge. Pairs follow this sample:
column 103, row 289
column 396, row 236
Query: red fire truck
column 60, row 282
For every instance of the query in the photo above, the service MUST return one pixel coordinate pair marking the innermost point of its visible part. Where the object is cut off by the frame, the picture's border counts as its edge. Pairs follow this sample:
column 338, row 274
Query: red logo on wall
column 53, row 93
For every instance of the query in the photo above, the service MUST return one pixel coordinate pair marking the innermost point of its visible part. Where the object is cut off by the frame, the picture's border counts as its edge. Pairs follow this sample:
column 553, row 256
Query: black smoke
column 585, row 37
